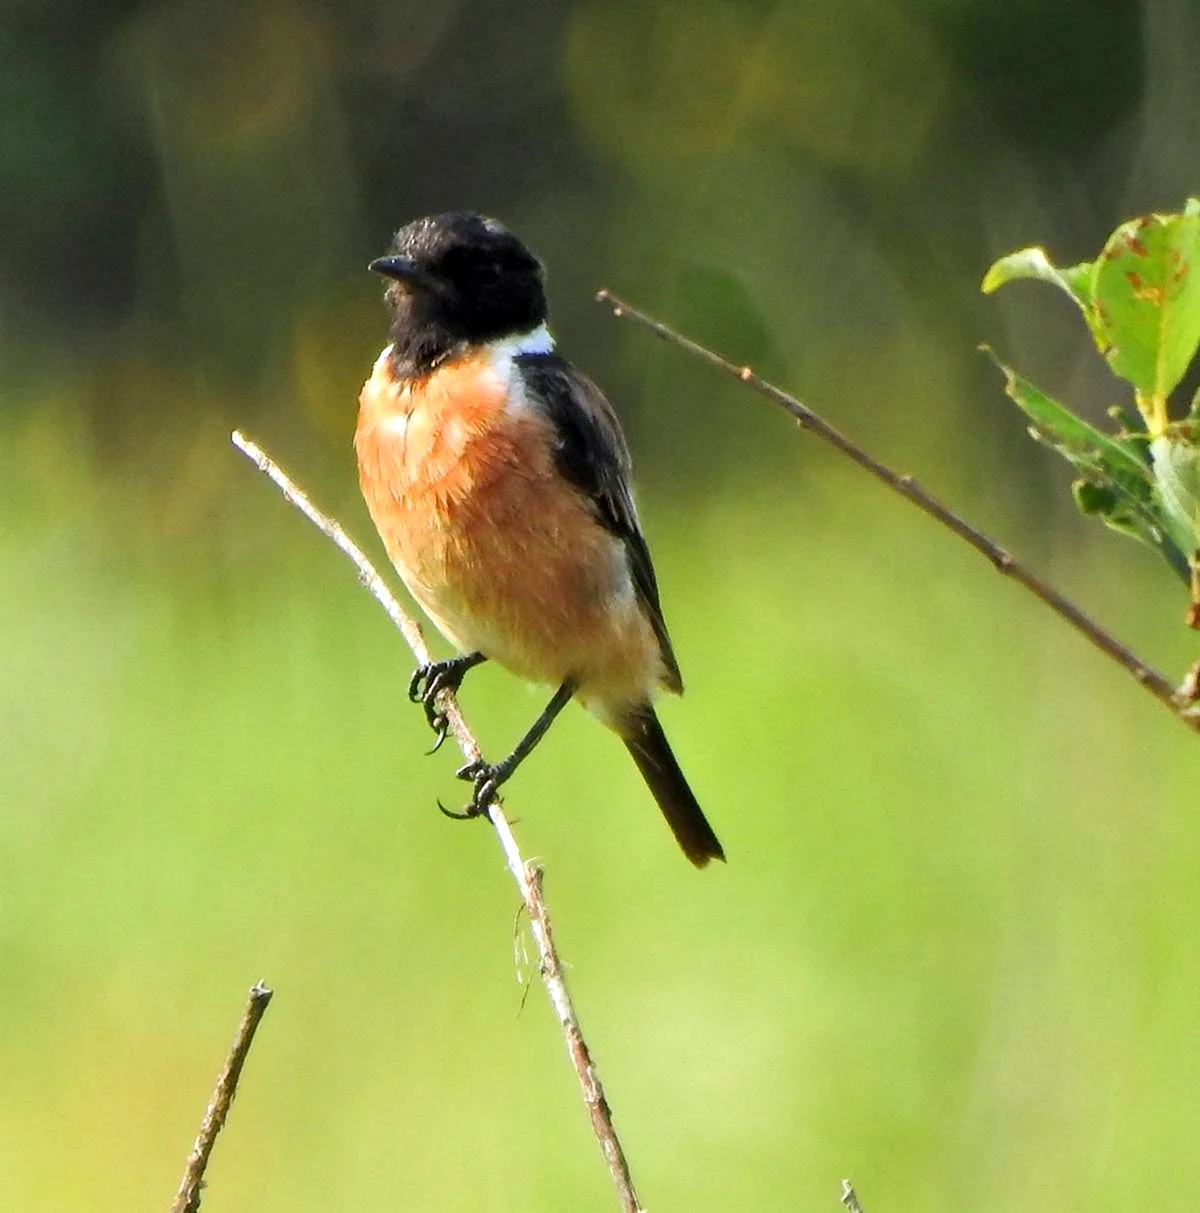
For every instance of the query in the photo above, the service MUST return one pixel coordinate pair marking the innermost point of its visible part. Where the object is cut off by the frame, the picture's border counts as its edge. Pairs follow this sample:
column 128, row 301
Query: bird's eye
column 487, row 273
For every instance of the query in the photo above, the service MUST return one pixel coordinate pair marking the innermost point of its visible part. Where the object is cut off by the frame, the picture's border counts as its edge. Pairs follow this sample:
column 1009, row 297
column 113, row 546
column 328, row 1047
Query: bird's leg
column 487, row 777
column 429, row 680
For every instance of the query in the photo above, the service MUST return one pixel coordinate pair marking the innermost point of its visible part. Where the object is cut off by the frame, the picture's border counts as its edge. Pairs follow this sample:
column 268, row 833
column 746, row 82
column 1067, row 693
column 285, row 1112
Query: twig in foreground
column 528, row 876
column 909, row 489
column 187, row 1199
column 850, row 1198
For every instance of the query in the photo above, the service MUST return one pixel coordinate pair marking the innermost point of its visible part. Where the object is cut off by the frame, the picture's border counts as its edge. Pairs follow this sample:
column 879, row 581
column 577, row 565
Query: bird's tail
column 646, row 741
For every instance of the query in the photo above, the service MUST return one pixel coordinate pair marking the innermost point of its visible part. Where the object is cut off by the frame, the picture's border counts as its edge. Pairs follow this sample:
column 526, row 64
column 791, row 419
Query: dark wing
column 592, row 454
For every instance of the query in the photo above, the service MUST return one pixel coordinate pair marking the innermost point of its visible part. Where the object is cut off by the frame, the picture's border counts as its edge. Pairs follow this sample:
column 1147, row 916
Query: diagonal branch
column 909, row 489
column 528, row 876
column 187, row 1199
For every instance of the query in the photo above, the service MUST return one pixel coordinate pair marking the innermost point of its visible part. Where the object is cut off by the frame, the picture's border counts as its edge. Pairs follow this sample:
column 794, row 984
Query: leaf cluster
column 1140, row 300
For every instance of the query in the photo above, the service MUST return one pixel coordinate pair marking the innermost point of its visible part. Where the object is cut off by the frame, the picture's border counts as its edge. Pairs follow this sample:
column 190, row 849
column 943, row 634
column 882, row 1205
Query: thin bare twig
column 187, row 1199
column 909, row 489
column 850, row 1198
column 528, row 876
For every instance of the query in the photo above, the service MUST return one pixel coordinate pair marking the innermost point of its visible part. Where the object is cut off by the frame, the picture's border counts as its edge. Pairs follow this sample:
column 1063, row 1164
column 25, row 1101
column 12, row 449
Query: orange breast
column 502, row 553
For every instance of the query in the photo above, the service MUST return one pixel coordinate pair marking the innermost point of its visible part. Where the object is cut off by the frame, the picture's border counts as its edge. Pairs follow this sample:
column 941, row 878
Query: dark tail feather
column 646, row 741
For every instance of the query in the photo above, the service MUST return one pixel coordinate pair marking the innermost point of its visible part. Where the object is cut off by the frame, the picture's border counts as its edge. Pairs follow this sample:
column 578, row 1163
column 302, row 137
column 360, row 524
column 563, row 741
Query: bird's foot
column 430, row 680
column 487, row 778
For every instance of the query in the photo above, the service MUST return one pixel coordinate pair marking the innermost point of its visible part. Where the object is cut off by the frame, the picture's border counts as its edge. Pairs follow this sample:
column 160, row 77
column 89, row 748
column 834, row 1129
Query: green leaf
column 1033, row 263
column 1094, row 498
column 1116, row 482
column 1074, row 280
column 1086, row 446
column 1146, row 295
column 1176, row 456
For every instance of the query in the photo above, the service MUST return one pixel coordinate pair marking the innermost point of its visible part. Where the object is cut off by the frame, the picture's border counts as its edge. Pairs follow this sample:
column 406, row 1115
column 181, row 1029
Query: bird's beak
column 402, row 269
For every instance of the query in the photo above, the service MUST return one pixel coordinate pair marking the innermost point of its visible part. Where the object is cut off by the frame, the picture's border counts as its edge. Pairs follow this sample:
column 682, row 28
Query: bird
column 499, row 480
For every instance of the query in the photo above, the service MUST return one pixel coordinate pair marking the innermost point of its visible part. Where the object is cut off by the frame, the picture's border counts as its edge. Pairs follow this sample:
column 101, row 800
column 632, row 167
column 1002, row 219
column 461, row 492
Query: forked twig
column 187, row 1199
column 527, row 875
column 908, row 488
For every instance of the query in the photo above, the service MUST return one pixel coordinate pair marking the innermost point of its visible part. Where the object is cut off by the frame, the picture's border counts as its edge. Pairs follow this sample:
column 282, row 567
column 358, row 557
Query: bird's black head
column 458, row 279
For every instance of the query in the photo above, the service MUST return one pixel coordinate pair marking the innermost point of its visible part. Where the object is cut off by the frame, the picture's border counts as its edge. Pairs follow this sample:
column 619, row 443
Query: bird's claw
column 417, row 684
column 487, row 780
column 482, row 799
column 440, row 723
column 465, row 815
column 469, row 772
column 428, row 679
column 427, row 683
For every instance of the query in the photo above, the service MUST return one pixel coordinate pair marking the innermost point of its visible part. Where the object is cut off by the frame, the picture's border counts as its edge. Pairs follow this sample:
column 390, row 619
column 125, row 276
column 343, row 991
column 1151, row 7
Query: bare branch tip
column 251, row 450
column 187, row 1197
column 850, row 1198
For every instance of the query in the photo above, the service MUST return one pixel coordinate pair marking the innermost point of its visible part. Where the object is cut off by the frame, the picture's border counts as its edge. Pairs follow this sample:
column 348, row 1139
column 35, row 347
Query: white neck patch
column 536, row 341
column 503, row 355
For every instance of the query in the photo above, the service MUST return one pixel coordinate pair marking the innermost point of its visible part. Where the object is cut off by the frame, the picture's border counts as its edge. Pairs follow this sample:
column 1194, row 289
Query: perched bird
column 499, row 480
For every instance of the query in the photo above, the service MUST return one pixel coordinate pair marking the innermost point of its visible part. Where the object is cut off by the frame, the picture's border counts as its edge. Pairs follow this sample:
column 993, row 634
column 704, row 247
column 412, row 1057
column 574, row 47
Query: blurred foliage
column 953, row 952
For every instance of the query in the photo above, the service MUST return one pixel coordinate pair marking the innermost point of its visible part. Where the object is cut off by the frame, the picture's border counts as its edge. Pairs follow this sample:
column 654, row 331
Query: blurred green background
column 954, row 953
